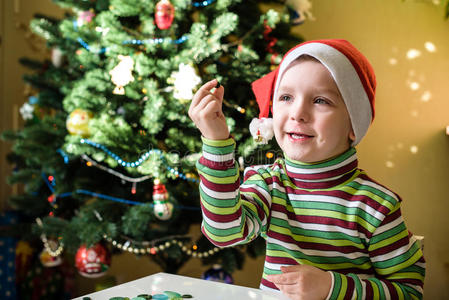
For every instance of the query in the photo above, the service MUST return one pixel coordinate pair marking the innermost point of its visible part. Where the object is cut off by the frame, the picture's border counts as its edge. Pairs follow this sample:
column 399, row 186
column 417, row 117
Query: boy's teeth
column 297, row 136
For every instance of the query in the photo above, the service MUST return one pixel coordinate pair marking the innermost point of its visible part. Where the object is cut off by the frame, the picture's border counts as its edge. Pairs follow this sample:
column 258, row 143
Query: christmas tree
column 107, row 154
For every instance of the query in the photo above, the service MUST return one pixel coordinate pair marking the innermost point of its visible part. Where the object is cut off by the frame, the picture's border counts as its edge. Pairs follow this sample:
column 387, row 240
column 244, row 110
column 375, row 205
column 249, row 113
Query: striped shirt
column 330, row 215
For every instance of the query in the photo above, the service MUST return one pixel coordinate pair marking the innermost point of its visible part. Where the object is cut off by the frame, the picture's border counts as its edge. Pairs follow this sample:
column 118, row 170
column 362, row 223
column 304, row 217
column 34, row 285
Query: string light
column 138, row 162
column 50, row 185
column 151, row 248
column 235, row 106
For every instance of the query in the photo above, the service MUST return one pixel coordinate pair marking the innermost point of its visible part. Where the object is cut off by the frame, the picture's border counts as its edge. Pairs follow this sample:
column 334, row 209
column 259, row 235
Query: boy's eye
column 321, row 101
column 285, row 98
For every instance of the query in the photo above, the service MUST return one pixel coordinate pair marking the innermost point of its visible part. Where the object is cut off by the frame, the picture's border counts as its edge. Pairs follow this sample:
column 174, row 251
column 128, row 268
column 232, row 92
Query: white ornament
column 303, row 9
column 163, row 210
column 185, row 80
column 262, row 130
column 27, row 111
column 57, row 57
column 103, row 31
column 121, row 74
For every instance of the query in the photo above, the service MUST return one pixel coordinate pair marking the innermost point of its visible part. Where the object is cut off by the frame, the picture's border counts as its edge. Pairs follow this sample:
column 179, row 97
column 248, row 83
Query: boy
column 331, row 231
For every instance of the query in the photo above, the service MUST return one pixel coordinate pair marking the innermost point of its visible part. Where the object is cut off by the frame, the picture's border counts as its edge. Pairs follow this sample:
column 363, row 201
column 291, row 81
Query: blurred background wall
column 406, row 148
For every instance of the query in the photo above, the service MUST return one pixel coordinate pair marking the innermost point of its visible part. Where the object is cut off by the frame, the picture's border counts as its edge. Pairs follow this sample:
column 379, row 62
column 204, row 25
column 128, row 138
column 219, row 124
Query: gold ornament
column 78, row 122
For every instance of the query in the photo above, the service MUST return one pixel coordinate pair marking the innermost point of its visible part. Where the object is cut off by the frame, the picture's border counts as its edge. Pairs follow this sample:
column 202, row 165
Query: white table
column 198, row 288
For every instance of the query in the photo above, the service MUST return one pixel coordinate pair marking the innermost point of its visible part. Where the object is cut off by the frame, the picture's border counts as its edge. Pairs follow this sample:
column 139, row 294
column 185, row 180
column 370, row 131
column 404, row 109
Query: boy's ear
column 352, row 135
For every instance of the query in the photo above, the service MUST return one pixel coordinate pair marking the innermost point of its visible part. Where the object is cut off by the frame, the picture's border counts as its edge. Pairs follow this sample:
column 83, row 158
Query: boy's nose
column 300, row 111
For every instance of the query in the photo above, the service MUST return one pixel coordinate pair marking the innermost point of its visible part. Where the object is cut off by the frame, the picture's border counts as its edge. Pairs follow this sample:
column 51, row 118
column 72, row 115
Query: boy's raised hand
column 303, row 282
column 206, row 111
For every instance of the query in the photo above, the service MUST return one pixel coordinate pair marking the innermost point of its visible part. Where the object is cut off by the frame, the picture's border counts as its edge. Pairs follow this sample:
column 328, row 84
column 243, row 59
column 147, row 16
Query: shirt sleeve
column 232, row 213
column 397, row 260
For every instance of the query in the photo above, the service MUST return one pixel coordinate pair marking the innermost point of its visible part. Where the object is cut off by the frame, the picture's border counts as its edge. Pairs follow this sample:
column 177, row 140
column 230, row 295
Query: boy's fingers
column 280, row 279
column 212, row 110
column 287, row 269
column 203, row 91
column 219, row 92
column 205, row 101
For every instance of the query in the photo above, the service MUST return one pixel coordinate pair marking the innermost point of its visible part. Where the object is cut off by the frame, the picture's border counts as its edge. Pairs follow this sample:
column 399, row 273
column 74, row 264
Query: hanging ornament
column 271, row 41
column 218, row 274
column 85, row 17
column 78, row 122
column 57, row 57
column 301, row 10
column 261, row 130
column 162, row 209
column 48, row 260
column 185, row 80
column 92, row 262
column 26, row 110
column 165, row 13
column 121, row 74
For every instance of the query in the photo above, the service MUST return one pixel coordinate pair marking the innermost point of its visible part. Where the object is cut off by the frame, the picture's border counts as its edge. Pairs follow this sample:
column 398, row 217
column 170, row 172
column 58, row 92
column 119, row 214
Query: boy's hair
column 306, row 57
column 348, row 67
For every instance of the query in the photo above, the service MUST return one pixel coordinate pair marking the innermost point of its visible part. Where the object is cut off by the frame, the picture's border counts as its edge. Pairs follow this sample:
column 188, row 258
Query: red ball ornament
column 165, row 13
column 92, row 262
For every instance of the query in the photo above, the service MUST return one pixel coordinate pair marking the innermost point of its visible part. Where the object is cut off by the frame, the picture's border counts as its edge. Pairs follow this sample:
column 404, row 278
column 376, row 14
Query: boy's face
column 310, row 119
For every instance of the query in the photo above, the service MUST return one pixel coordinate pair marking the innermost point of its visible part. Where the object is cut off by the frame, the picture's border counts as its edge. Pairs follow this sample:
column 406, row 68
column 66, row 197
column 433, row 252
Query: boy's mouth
column 298, row 135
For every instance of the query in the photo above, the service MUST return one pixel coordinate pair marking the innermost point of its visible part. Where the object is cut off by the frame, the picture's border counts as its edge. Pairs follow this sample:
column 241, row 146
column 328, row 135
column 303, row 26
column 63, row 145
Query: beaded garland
column 180, row 40
column 138, row 162
column 91, row 162
column 203, row 3
column 157, row 41
column 64, row 156
column 54, row 253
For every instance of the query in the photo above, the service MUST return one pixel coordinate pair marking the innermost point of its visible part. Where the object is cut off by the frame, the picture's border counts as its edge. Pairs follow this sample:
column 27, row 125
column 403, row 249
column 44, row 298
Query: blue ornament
column 33, row 100
column 218, row 274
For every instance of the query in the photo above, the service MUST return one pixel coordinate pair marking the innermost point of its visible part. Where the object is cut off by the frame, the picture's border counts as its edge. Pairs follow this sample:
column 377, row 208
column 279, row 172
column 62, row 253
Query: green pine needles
column 124, row 83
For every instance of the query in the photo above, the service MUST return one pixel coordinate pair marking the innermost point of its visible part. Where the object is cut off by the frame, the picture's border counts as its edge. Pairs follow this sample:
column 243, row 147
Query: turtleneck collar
column 324, row 174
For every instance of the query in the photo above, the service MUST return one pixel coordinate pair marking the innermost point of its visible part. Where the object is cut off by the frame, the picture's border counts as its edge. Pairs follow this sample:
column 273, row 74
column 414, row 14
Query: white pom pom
column 262, row 130
column 57, row 57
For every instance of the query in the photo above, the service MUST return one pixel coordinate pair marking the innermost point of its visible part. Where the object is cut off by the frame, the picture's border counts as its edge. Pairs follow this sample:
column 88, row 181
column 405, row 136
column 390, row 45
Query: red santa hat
column 159, row 191
column 350, row 70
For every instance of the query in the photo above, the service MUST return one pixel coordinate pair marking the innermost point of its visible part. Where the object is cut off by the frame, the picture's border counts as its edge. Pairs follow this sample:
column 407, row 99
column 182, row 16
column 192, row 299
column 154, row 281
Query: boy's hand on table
column 303, row 282
column 206, row 111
